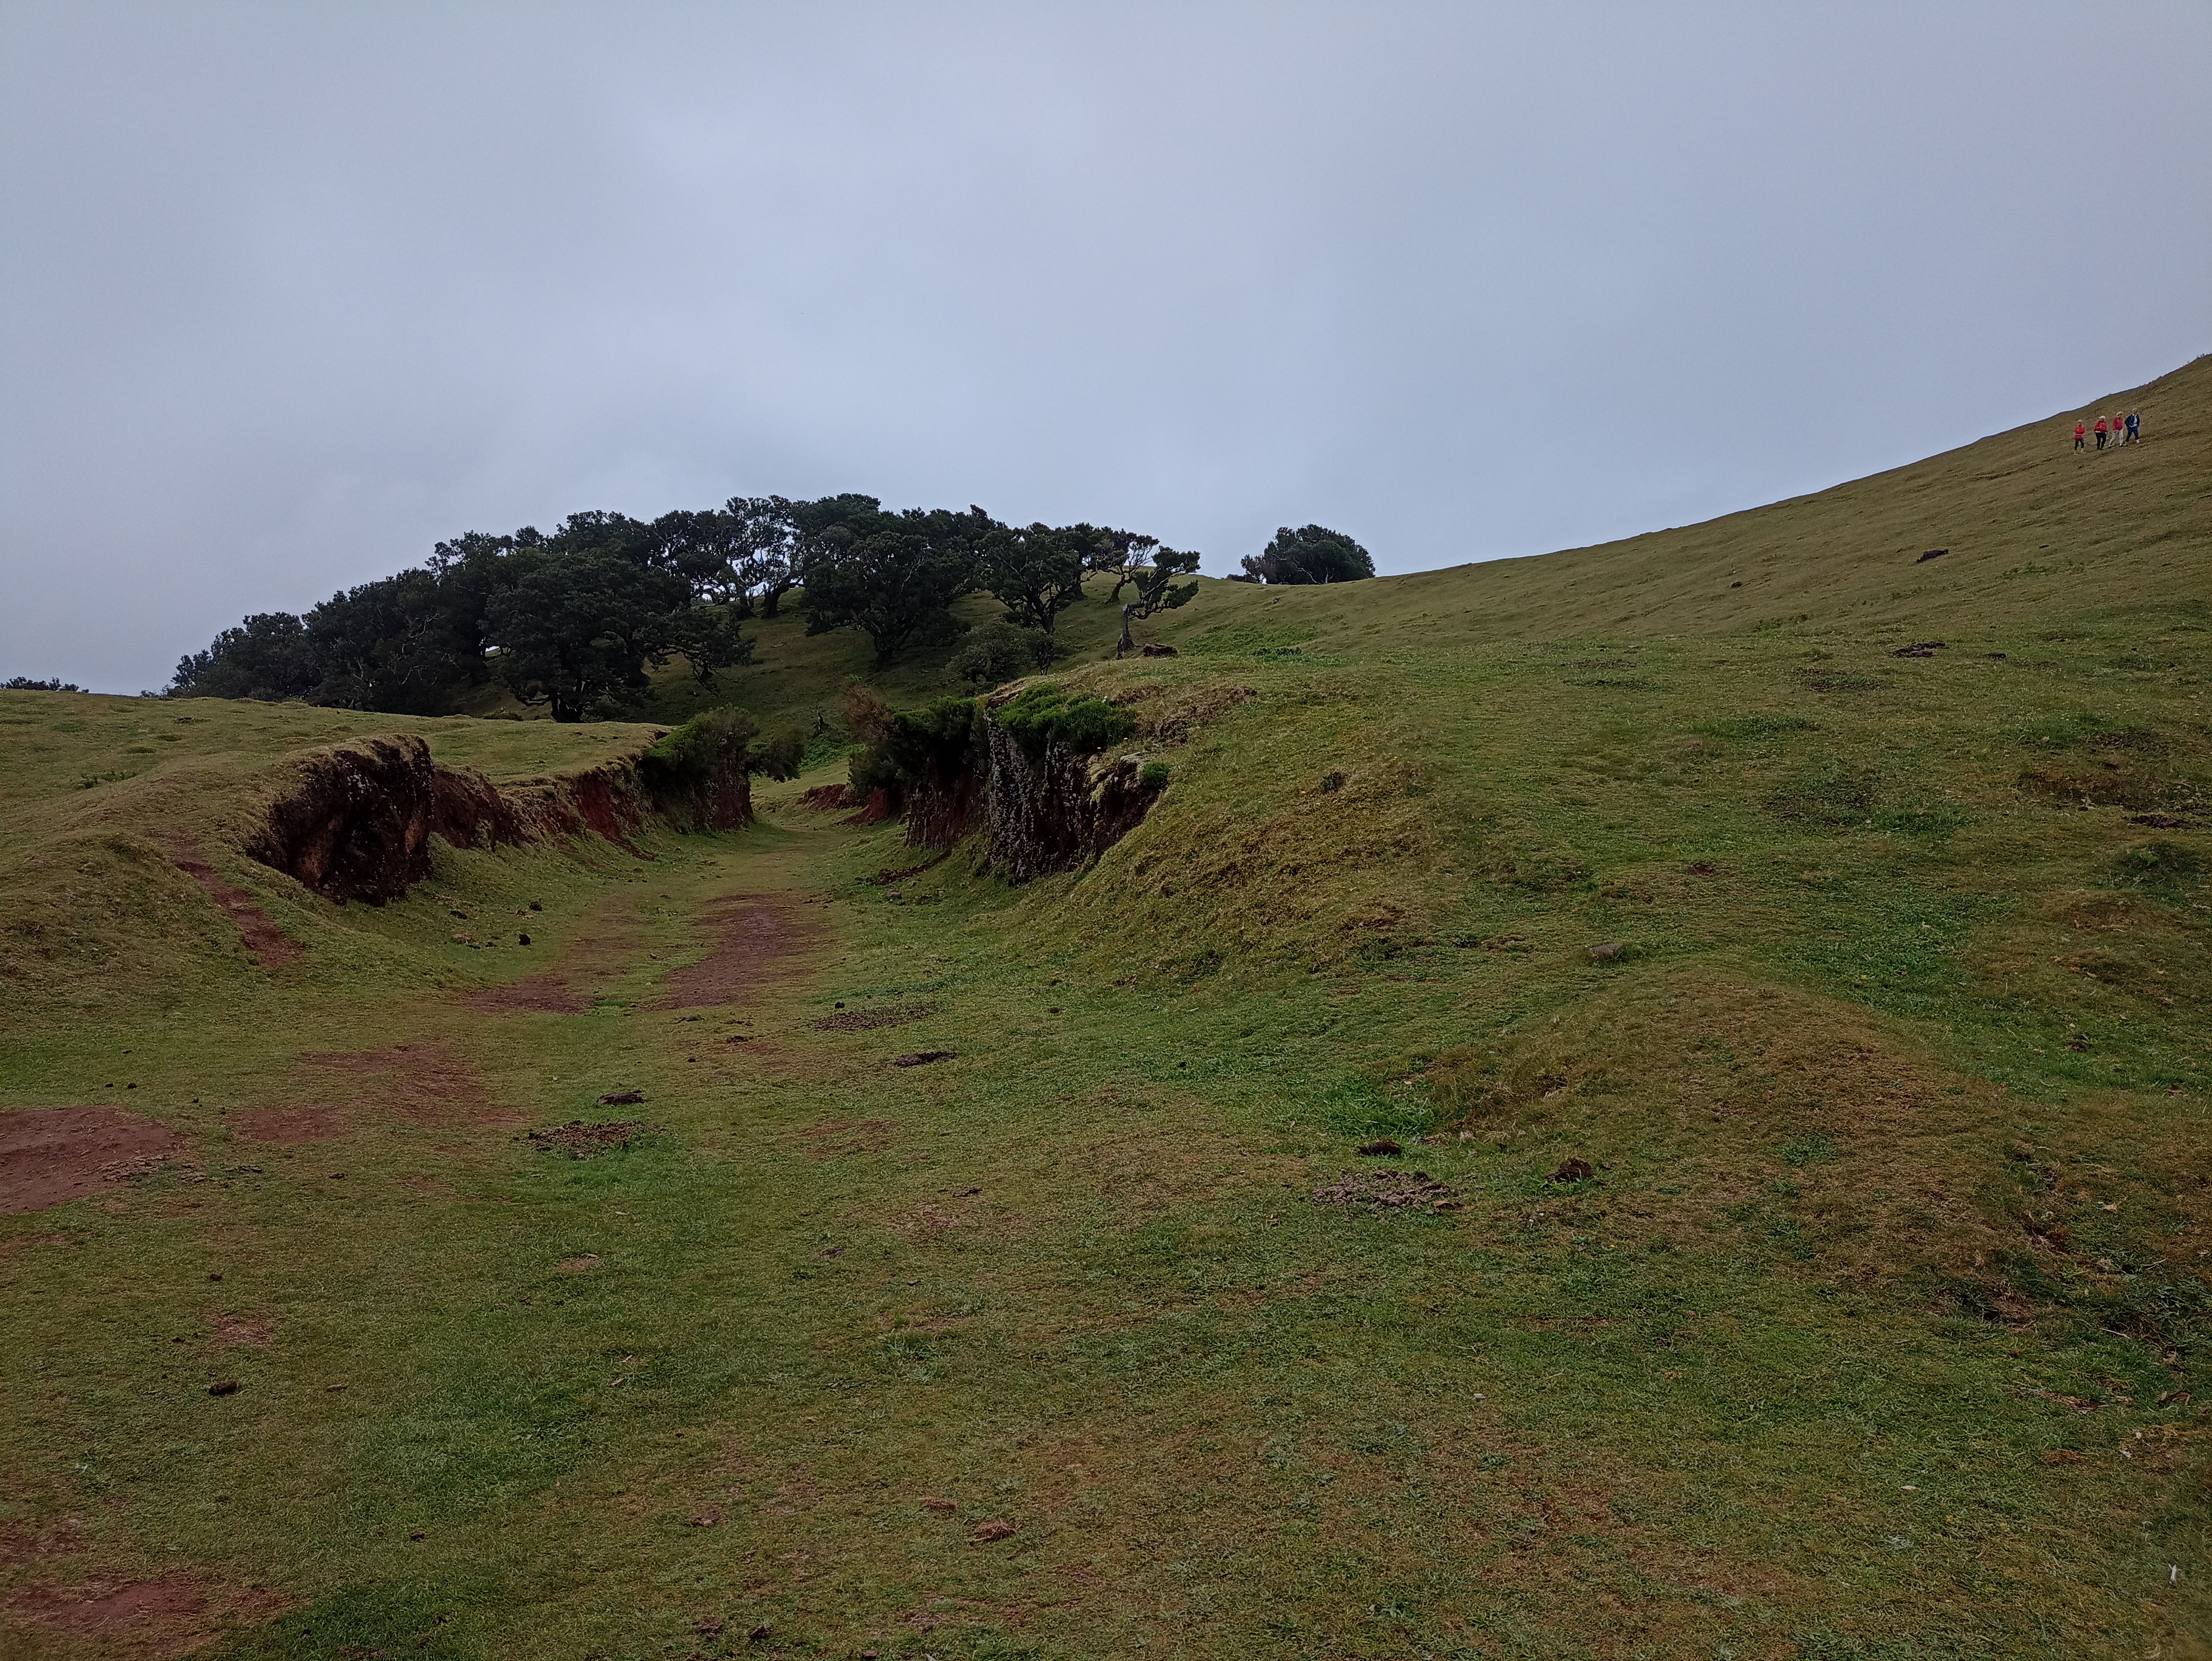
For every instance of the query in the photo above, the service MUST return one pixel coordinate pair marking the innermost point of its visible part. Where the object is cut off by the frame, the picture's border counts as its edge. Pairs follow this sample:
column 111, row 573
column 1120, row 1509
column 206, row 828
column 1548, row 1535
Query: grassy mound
column 1794, row 1032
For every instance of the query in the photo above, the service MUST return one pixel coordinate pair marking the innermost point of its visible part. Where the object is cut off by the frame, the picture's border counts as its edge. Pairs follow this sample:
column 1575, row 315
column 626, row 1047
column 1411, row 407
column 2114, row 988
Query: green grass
column 1880, row 1332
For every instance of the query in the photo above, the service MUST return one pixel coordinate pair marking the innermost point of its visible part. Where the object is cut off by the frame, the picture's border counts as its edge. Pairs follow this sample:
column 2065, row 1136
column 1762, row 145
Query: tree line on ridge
column 576, row 620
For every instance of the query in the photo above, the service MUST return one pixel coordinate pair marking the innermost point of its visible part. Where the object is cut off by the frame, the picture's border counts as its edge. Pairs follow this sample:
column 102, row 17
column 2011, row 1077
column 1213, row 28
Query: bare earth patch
column 835, row 1136
column 547, row 993
column 170, row 1615
column 757, row 938
column 427, row 1083
column 269, row 944
column 308, row 1122
column 1388, row 1190
column 602, row 951
column 579, row 1140
column 50, row 1155
column 254, row 1331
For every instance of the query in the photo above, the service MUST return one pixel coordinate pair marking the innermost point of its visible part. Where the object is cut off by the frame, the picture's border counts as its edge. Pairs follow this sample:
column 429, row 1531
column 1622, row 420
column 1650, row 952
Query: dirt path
column 760, row 938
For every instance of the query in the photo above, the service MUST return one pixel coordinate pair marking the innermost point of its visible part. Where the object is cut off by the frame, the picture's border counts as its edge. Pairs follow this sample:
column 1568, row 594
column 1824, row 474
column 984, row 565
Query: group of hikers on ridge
column 2110, row 433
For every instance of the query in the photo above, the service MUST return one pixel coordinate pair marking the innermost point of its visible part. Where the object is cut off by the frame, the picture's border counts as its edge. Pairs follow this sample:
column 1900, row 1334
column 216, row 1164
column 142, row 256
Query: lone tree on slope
column 1313, row 553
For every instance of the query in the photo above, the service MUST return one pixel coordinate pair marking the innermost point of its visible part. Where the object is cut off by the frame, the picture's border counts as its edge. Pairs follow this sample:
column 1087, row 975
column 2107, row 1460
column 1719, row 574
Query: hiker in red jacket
column 2100, row 432
column 2080, row 435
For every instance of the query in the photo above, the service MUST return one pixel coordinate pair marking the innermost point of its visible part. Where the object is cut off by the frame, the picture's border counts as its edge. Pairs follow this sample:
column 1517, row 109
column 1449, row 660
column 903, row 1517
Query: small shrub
column 715, row 740
column 999, row 652
column 1153, row 776
column 1046, row 715
column 25, row 684
column 912, row 746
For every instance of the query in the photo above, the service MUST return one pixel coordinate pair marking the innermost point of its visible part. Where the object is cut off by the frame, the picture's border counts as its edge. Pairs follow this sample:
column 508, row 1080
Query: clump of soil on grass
column 1388, row 1190
column 580, row 1141
column 269, row 944
column 924, row 1057
column 862, row 1020
column 50, row 1155
column 757, row 936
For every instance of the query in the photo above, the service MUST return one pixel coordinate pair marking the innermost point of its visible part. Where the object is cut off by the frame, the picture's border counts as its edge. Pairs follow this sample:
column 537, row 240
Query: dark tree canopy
column 578, row 619
column 266, row 657
column 392, row 645
column 1037, row 573
column 893, row 576
column 579, row 628
column 1311, row 554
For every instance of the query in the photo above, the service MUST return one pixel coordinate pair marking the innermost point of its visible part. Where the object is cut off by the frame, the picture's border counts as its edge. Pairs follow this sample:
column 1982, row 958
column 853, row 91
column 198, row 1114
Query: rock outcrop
column 355, row 823
column 1057, row 812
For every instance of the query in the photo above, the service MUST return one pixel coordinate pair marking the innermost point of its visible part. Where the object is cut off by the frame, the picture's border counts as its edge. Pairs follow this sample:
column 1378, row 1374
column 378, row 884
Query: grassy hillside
column 1878, row 1329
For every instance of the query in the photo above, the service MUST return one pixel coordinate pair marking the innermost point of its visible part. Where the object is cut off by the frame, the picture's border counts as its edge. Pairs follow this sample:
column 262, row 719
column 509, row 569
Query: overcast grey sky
column 289, row 292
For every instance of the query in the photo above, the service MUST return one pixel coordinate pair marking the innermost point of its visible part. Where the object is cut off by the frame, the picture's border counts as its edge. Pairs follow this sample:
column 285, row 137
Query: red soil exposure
column 613, row 814
column 269, row 944
column 759, row 935
column 468, row 811
column 167, row 1617
column 830, row 798
column 50, row 1155
column 426, row 1083
column 863, row 1020
column 310, row 1122
column 874, row 811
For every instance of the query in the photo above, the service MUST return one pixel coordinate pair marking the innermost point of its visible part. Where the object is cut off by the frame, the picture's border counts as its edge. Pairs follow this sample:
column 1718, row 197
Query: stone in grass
column 1572, row 1170
column 924, row 1057
column 1609, row 952
column 622, row 1098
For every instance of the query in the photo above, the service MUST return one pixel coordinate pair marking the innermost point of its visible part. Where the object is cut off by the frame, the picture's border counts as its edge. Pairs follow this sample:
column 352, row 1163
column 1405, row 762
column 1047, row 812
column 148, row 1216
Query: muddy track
column 602, row 953
column 759, row 939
